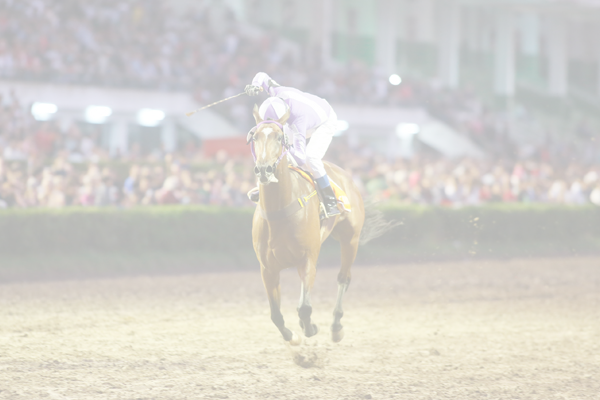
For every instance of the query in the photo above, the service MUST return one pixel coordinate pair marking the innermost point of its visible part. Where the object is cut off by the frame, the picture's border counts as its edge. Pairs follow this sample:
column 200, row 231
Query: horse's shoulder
column 337, row 173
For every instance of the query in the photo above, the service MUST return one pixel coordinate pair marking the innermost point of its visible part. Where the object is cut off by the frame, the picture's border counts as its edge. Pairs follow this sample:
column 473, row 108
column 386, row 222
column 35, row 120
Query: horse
column 287, row 231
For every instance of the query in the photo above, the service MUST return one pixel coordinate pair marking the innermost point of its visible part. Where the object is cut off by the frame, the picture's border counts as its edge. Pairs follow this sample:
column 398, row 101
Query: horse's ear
column 256, row 115
column 285, row 117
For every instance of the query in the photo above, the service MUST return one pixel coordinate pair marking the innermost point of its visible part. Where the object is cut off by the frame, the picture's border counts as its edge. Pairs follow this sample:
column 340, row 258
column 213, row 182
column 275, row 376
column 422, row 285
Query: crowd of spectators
column 150, row 44
column 471, row 182
column 62, row 183
column 42, row 167
column 145, row 44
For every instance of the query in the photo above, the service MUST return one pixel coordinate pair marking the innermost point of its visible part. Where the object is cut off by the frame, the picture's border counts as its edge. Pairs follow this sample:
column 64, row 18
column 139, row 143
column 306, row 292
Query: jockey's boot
column 254, row 195
column 329, row 202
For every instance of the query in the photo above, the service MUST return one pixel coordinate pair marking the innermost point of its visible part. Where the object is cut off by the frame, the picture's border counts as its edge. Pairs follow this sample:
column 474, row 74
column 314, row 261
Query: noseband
column 284, row 144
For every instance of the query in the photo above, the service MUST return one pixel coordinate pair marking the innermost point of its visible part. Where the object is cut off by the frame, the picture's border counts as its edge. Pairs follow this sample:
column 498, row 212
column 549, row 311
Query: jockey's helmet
column 272, row 108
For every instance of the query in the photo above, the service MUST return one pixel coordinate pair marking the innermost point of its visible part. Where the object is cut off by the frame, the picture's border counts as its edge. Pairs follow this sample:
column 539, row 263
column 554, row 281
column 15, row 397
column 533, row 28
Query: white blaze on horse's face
column 268, row 148
column 267, row 132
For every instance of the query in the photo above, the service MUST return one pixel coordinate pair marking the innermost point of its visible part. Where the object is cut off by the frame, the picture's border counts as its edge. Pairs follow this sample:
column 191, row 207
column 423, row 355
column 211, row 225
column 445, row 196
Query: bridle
column 284, row 144
column 295, row 205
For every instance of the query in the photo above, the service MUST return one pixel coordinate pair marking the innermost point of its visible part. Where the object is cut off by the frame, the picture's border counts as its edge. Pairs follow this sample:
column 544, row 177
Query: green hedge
column 494, row 224
column 155, row 229
column 227, row 231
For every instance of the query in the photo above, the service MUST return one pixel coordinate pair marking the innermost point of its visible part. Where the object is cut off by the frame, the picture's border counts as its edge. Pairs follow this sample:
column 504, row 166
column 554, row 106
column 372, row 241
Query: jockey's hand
column 252, row 90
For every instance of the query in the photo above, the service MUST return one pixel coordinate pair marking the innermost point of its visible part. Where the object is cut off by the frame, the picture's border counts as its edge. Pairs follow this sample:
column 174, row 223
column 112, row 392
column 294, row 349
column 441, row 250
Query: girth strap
column 288, row 210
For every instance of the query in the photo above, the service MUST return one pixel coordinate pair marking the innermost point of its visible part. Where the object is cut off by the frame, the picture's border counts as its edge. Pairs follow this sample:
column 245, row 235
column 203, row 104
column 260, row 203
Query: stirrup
column 324, row 214
column 327, row 195
column 322, row 211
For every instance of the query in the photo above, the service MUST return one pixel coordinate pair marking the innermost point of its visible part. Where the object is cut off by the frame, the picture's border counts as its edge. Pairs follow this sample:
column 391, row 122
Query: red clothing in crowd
column 414, row 178
column 44, row 141
column 508, row 196
column 485, row 194
column 168, row 197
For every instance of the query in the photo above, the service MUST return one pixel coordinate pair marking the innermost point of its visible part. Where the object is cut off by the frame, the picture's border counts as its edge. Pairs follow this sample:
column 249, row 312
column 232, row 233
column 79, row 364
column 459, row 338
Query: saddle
column 301, row 202
column 339, row 193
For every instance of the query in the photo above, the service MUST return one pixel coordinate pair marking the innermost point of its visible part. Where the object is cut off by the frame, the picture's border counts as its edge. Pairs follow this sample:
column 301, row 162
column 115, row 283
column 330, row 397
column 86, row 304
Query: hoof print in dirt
column 315, row 357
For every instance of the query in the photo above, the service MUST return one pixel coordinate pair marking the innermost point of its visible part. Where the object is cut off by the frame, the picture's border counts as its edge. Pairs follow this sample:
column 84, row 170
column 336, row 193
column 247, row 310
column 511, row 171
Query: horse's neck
column 276, row 196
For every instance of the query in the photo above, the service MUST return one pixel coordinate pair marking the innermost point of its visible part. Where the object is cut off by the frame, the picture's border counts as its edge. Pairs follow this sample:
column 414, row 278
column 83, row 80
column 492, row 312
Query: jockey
column 310, row 117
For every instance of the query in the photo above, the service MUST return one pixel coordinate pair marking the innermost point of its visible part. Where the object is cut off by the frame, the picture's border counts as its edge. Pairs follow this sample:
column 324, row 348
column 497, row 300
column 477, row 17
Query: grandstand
column 500, row 84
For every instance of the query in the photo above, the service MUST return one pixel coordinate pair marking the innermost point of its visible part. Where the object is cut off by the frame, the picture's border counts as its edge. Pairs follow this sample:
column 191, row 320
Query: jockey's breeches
column 318, row 145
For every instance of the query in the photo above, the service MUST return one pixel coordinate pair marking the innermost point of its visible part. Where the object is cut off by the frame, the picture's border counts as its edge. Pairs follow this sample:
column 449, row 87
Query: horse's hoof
column 295, row 340
column 313, row 332
column 337, row 336
column 316, row 329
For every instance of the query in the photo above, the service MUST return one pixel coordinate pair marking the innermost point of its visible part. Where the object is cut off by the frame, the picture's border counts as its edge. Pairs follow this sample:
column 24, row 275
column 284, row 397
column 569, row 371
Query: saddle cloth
column 340, row 195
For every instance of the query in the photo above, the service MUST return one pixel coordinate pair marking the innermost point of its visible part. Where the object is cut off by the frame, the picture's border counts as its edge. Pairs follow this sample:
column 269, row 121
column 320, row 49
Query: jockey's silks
column 307, row 113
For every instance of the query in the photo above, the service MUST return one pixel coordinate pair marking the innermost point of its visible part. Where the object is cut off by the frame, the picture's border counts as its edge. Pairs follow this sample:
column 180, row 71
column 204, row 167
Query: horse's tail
column 375, row 223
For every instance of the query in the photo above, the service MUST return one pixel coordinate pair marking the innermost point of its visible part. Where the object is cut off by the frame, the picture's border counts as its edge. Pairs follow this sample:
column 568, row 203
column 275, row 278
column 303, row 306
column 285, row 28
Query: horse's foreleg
column 349, row 250
column 307, row 278
column 273, row 288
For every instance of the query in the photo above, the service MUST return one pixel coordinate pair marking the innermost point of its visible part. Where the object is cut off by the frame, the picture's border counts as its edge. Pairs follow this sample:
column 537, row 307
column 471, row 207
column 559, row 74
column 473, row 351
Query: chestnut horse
column 287, row 231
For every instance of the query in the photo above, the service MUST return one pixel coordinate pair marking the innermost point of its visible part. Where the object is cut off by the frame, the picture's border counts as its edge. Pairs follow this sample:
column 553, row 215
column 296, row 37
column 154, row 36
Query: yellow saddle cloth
column 340, row 195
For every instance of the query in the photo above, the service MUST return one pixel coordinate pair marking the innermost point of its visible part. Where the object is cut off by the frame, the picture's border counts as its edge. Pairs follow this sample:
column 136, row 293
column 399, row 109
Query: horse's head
column 270, row 146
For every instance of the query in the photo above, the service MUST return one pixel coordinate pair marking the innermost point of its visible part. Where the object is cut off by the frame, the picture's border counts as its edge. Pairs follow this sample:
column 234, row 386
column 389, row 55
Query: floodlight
column 149, row 117
column 408, row 129
column 395, row 79
column 97, row 114
column 341, row 127
column 43, row 111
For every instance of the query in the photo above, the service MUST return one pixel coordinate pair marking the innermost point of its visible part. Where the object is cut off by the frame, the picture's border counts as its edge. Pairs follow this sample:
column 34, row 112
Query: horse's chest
column 288, row 247
column 285, row 257
column 283, row 252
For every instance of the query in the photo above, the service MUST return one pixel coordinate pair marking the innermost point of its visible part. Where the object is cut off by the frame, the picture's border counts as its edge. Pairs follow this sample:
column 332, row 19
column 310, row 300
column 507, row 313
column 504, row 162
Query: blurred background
column 441, row 103
column 473, row 124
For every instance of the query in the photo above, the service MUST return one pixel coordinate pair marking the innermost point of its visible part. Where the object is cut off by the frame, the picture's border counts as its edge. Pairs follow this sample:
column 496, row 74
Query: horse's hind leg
column 307, row 278
column 349, row 250
column 273, row 288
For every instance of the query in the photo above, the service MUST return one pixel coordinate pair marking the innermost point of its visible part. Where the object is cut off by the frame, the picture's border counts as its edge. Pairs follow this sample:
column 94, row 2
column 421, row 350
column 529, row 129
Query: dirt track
column 493, row 330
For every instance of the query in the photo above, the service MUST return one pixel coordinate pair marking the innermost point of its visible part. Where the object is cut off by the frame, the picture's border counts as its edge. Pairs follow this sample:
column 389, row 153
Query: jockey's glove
column 252, row 90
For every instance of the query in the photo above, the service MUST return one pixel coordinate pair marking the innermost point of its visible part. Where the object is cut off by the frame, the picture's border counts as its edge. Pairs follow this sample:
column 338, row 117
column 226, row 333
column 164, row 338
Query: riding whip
column 213, row 104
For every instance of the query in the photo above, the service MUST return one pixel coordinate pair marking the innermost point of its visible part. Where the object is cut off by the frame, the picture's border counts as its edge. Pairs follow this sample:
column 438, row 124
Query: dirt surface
column 490, row 330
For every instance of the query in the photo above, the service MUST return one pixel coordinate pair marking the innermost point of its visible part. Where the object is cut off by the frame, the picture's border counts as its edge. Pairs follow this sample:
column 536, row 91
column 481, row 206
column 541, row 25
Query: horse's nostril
column 269, row 170
column 256, row 170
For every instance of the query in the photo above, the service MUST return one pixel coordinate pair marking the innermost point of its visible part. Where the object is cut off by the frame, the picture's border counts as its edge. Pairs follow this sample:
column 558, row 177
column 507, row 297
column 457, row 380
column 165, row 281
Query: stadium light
column 342, row 126
column 43, row 111
column 149, row 117
column 395, row 79
column 97, row 114
column 407, row 130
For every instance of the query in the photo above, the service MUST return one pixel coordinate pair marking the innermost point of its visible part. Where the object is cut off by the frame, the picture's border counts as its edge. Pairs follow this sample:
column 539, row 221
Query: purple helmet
column 273, row 108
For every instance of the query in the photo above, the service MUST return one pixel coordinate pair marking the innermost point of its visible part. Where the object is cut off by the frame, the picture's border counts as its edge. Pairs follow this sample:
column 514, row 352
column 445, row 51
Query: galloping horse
column 287, row 231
